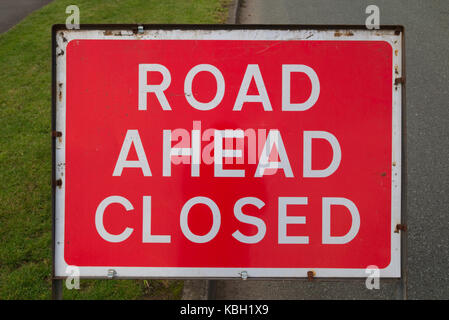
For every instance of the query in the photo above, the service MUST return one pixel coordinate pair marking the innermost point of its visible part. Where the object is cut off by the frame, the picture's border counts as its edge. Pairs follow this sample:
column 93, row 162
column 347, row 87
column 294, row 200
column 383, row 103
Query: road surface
column 13, row 11
column 427, row 112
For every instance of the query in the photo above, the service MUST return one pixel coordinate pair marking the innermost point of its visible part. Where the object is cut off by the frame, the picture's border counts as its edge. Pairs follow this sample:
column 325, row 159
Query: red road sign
column 200, row 153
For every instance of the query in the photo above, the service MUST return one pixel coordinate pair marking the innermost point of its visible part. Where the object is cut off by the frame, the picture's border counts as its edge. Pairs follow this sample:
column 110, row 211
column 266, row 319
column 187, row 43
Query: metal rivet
column 111, row 273
column 244, row 275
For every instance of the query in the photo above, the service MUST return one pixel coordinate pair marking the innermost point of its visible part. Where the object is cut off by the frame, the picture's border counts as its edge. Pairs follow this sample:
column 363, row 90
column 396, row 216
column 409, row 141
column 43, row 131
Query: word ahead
column 228, row 153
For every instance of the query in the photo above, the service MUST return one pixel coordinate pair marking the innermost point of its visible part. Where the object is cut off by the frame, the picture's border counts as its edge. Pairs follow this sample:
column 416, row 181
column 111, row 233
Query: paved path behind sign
column 427, row 113
column 13, row 11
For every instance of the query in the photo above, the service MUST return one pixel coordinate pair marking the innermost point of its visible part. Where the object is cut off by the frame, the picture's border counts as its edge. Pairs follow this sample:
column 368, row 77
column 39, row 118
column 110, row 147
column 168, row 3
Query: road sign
column 212, row 151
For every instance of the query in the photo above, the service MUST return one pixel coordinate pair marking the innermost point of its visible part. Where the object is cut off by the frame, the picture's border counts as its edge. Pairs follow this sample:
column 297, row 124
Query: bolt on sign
column 215, row 151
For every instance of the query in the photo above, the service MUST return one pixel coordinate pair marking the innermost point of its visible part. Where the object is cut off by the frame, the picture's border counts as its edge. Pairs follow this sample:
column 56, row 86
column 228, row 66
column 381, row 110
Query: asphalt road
column 427, row 112
column 12, row 11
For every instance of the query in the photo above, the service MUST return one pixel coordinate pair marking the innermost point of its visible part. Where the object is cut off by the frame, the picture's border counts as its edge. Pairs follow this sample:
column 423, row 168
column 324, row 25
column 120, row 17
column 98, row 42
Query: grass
column 25, row 144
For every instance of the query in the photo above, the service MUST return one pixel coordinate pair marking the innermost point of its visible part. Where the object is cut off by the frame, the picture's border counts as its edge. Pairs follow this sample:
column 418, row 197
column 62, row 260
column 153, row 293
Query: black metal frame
column 57, row 281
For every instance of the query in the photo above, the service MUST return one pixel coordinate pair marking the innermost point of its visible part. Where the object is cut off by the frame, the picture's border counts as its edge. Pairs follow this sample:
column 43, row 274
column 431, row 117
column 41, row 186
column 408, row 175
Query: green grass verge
column 25, row 144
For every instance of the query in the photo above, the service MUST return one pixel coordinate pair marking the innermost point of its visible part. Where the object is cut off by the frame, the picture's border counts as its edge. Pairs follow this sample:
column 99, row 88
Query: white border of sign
column 63, row 37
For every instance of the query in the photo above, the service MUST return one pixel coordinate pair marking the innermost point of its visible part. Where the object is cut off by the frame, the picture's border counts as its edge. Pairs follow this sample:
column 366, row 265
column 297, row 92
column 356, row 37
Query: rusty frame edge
column 134, row 27
column 404, row 237
column 56, row 283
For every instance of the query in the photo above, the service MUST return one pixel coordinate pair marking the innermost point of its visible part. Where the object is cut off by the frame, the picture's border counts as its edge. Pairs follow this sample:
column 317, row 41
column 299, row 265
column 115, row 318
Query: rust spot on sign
column 347, row 33
column 56, row 134
column 310, row 275
column 60, row 92
column 112, row 33
column 58, row 183
column 400, row 80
